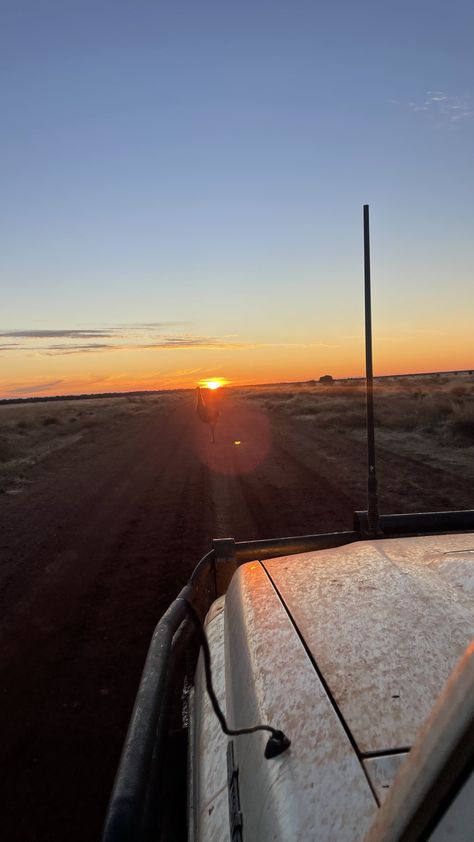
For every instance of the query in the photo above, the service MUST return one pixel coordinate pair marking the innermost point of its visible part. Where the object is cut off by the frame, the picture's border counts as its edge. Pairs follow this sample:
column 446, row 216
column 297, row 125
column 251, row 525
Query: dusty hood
column 345, row 650
column 384, row 623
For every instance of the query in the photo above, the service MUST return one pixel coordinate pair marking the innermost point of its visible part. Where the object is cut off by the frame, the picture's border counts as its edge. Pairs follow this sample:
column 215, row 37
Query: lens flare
column 243, row 439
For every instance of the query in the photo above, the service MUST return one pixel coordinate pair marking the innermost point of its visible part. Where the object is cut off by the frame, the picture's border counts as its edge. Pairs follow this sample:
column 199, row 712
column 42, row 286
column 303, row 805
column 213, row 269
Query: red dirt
column 96, row 547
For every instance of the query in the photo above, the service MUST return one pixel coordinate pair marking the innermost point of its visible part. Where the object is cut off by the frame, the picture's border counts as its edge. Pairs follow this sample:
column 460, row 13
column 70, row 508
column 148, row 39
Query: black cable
column 278, row 741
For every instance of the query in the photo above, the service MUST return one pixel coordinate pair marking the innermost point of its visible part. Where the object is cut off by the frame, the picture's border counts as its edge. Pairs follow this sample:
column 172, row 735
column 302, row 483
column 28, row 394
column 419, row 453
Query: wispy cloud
column 154, row 325
column 184, row 372
column 89, row 348
column 26, row 389
column 125, row 337
column 124, row 381
column 183, row 343
column 123, row 331
column 444, row 108
column 149, row 337
column 57, row 334
column 167, row 343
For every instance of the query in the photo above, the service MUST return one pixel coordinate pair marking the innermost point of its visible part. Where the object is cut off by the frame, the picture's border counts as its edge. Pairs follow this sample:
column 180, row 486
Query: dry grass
column 431, row 415
column 440, row 407
column 424, row 422
column 31, row 431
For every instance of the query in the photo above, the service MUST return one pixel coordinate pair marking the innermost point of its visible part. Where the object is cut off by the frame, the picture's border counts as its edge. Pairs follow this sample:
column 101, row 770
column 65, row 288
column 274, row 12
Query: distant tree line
column 98, row 396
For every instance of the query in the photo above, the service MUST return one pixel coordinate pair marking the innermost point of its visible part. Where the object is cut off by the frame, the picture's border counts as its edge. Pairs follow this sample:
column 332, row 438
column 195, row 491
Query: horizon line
column 138, row 392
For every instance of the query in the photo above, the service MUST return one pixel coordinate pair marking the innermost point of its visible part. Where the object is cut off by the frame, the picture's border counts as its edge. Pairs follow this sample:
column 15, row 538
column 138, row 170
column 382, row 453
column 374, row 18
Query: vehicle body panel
column 385, row 626
column 318, row 788
column 209, row 816
column 343, row 649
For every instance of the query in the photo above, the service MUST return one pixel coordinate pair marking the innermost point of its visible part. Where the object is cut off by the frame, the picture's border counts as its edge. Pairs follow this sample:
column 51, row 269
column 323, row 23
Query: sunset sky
column 182, row 190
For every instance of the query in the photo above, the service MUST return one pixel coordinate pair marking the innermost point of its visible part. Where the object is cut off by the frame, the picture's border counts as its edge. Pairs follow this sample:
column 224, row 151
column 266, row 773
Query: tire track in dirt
column 406, row 482
column 290, row 495
column 122, row 615
column 70, row 507
column 278, row 494
column 83, row 534
column 419, row 486
column 77, row 643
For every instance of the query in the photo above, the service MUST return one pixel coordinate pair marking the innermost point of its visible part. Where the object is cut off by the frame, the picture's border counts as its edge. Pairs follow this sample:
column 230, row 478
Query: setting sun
column 214, row 383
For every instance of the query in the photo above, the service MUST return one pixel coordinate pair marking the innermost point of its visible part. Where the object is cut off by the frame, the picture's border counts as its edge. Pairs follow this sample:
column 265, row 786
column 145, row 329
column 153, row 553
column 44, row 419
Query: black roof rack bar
column 252, row 550
column 419, row 523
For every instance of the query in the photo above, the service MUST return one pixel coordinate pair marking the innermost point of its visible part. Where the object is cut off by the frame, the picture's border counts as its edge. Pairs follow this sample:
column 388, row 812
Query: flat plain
column 107, row 504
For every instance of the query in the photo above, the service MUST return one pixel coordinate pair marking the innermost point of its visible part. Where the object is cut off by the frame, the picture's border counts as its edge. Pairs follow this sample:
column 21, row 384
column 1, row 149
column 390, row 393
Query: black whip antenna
column 372, row 503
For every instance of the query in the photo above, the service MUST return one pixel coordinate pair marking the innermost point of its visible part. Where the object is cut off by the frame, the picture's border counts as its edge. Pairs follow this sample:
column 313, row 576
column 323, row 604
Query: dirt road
column 97, row 545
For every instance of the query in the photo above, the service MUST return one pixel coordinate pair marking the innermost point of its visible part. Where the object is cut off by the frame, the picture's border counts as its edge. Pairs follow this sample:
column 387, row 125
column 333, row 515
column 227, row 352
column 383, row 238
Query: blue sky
column 203, row 165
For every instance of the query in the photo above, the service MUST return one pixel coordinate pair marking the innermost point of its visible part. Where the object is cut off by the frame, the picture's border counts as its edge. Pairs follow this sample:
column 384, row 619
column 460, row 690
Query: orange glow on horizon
column 31, row 374
column 213, row 383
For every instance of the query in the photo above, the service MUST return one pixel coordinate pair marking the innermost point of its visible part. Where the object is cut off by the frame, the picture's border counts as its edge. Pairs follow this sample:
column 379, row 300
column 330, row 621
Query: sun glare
column 213, row 383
